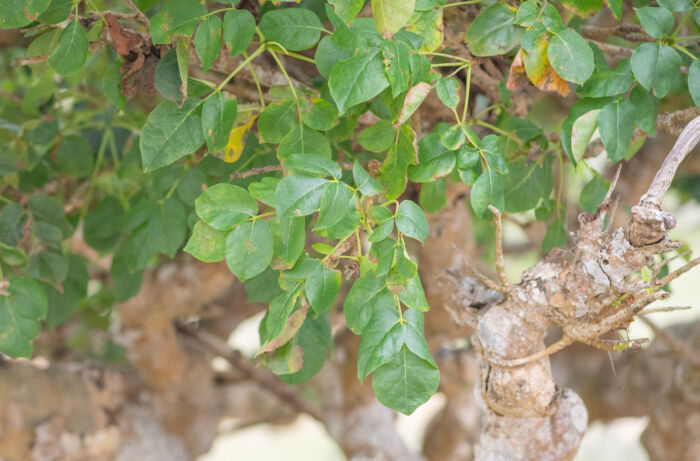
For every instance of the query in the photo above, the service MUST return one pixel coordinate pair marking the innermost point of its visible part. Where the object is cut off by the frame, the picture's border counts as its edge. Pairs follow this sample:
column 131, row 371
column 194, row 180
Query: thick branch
column 688, row 139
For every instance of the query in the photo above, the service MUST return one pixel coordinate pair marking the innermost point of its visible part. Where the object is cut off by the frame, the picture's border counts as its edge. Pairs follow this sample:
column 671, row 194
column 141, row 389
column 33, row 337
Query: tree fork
column 586, row 291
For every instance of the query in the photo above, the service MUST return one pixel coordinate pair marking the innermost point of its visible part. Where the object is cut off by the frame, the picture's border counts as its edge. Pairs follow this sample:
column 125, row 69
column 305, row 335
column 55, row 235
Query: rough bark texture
column 585, row 291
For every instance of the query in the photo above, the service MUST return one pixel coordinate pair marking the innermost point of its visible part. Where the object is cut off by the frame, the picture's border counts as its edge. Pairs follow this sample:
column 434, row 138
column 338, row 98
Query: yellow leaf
column 234, row 147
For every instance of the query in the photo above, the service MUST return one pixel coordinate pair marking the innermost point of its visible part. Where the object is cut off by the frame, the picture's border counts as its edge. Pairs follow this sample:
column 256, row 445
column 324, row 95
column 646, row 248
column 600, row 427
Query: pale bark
column 585, row 291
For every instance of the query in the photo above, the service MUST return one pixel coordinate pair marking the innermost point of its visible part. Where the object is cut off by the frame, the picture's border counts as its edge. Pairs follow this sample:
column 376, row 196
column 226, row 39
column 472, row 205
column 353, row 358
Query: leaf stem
column 238, row 68
column 468, row 2
column 257, row 82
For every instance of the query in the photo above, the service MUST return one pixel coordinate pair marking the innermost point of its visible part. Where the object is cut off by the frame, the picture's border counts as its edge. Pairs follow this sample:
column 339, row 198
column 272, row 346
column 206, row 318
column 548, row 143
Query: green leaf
column 655, row 21
column 592, row 194
column 279, row 311
column 125, row 282
column 12, row 256
column 319, row 114
column 276, row 121
column 570, row 56
column 492, row 32
column 299, row 195
column 61, row 305
column 290, row 237
column 264, row 191
column 414, row 98
column 378, row 137
column 18, row 13
column 314, row 338
column 391, row 15
column 615, row 7
column 328, row 53
column 182, row 51
column 583, row 8
column 582, row 131
column 381, row 340
column 50, row 209
column 406, row 382
column 387, row 333
column 616, row 125
column 411, row 221
column 394, row 168
column 75, row 156
column 71, row 51
column 176, row 17
column 525, row 185
column 336, row 202
column 347, row 9
column 606, row 82
column 487, row 190
column 294, row 28
column 554, row 237
column 428, row 26
column 432, row 195
column 21, row 312
column 48, row 265
column 676, row 5
column 206, row 243
column 58, row 11
column 384, row 223
column 396, row 58
column 364, row 182
column 170, row 133
column 647, row 107
column 413, row 295
column 313, row 164
column 218, row 117
column 453, row 138
column 367, row 295
column 167, row 77
column 112, row 84
column 357, row 79
column 167, row 221
column 224, row 206
column 287, row 358
column 448, row 91
column 577, row 110
column 99, row 228
column 434, row 160
column 207, row 41
column 249, row 249
column 467, row 156
column 322, row 286
column 302, row 140
column 694, row 82
column 239, row 29
column 655, row 67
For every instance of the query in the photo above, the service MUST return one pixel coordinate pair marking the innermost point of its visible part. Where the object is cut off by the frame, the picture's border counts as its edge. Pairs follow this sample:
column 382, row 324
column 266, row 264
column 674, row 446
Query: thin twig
column 142, row 18
column 500, row 264
column 278, row 167
column 268, row 380
column 685, row 143
column 654, row 310
column 614, row 182
column 678, row 272
column 482, row 278
column 563, row 342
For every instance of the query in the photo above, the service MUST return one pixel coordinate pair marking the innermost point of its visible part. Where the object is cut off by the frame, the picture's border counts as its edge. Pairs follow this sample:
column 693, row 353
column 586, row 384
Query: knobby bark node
column 585, row 291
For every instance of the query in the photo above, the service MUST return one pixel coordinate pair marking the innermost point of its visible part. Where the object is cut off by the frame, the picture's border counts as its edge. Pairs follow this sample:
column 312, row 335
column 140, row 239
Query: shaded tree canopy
column 320, row 151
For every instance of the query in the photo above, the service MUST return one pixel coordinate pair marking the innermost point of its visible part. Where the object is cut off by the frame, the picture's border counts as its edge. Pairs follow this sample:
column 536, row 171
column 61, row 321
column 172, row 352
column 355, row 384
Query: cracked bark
column 585, row 291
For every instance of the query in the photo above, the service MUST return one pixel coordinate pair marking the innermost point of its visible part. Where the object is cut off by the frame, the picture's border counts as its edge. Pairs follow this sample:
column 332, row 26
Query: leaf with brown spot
column 291, row 327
